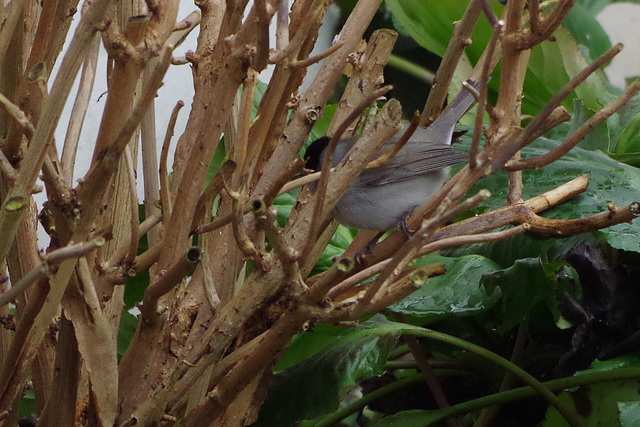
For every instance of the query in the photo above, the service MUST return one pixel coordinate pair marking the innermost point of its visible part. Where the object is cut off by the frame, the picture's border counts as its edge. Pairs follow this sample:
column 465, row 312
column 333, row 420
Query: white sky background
column 619, row 20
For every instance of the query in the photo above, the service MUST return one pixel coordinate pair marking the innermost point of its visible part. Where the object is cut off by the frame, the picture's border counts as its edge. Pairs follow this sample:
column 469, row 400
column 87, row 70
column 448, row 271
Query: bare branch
column 47, row 266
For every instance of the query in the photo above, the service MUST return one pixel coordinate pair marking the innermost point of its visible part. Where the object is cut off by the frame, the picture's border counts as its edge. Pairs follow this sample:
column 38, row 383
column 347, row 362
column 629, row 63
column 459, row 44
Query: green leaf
column 584, row 27
column 429, row 22
column 526, row 284
column 594, row 90
column 629, row 413
column 631, row 360
column 595, row 6
column 599, row 404
column 505, row 252
column 28, row 404
column 599, row 138
column 283, row 205
column 629, row 141
column 340, row 241
column 550, row 67
column 134, row 289
column 314, row 386
column 457, row 293
column 306, row 344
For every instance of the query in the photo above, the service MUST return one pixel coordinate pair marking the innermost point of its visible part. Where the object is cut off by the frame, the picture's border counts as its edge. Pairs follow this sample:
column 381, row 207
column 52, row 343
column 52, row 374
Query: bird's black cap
column 314, row 151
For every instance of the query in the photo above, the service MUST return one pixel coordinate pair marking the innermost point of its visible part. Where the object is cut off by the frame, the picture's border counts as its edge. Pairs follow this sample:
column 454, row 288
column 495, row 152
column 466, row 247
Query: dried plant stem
column 307, row 111
column 76, row 121
column 204, row 346
column 8, row 172
column 8, row 28
column 36, row 152
column 165, row 196
column 317, row 58
column 62, row 409
column 282, row 25
column 134, row 220
column 482, row 96
column 22, row 352
column 82, row 305
column 504, row 215
column 151, row 180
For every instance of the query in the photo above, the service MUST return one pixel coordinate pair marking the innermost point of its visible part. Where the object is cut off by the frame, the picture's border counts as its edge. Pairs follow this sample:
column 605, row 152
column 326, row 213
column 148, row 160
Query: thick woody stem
column 165, row 283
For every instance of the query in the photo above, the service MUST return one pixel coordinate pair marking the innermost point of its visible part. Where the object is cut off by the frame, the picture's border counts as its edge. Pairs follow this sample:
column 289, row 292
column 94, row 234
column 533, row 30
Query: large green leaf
column 455, row 293
column 584, row 27
column 526, row 284
column 314, row 386
column 429, row 22
column 605, row 404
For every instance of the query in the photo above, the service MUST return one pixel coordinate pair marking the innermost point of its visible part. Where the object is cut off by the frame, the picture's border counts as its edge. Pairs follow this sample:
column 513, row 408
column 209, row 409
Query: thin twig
column 261, row 58
column 279, row 184
column 79, row 111
column 282, row 25
column 444, row 243
column 134, row 219
column 409, row 250
column 456, row 241
column 553, row 21
column 488, row 12
column 569, row 227
column 8, row 172
column 578, row 135
column 45, row 268
column 304, row 63
column 389, row 154
column 165, row 194
column 542, row 116
column 459, row 40
column 121, row 251
column 534, row 16
column 483, row 104
column 266, row 220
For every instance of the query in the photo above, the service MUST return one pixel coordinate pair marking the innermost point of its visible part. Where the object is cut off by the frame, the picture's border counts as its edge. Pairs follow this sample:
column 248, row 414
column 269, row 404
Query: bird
column 382, row 197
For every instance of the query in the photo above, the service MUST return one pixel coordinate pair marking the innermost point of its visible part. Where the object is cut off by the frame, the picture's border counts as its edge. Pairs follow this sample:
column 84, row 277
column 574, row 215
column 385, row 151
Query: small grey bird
column 382, row 197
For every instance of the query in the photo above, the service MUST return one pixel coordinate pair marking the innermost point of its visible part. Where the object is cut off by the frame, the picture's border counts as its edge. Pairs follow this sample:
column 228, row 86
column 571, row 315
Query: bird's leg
column 403, row 225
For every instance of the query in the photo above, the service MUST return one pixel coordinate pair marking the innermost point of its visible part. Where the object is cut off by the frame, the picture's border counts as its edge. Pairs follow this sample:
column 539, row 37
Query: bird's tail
column 445, row 124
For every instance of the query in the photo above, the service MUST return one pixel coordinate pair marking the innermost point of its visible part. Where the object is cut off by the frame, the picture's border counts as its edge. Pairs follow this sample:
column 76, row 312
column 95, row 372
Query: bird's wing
column 411, row 161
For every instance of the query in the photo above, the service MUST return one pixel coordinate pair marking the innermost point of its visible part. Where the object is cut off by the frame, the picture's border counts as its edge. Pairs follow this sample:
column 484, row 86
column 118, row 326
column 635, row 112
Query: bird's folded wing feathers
column 407, row 164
